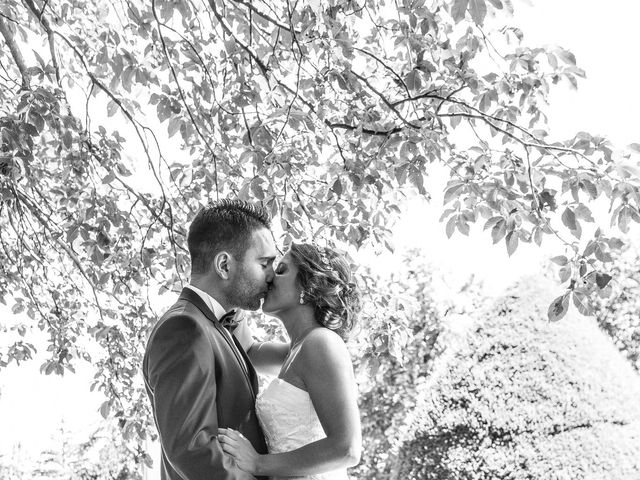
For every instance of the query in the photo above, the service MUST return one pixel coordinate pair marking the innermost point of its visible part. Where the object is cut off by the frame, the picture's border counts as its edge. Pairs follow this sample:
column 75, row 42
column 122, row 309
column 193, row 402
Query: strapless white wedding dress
column 289, row 421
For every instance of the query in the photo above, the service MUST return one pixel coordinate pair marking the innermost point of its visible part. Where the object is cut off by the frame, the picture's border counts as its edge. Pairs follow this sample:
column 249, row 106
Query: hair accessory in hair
column 324, row 259
column 331, row 320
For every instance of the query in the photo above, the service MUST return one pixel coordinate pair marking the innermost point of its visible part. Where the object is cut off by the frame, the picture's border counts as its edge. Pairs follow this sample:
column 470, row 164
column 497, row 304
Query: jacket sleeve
column 181, row 374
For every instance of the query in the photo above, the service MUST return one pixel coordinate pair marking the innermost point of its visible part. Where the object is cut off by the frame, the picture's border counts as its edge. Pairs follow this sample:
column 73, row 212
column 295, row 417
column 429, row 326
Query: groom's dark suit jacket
column 197, row 382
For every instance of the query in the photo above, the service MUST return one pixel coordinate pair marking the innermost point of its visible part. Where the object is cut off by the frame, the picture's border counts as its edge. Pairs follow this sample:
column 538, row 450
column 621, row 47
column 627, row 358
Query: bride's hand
column 235, row 444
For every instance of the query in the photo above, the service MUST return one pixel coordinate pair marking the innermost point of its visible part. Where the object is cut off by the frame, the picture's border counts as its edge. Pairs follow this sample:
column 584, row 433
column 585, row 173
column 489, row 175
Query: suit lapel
column 192, row 297
column 252, row 371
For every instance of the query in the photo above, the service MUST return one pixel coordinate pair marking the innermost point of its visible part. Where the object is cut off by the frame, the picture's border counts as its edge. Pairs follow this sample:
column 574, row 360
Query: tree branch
column 393, row 72
column 42, row 20
column 384, row 99
column 15, row 53
column 58, row 239
column 184, row 100
column 227, row 28
column 340, row 125
column 267, row 17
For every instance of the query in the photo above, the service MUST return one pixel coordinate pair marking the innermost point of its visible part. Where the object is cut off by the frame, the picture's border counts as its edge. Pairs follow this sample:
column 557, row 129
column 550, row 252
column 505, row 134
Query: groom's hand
column 237, row 446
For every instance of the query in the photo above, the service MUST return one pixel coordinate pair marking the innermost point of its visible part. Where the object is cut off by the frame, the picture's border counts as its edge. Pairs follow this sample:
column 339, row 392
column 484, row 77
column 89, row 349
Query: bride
column 309, row 413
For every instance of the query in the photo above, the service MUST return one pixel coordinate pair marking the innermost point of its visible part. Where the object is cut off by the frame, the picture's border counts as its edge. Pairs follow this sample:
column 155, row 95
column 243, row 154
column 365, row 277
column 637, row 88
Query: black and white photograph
column 319, row 240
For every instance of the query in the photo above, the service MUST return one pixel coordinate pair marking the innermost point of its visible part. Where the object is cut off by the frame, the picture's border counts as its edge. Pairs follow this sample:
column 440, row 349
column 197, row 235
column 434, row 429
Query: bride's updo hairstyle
column 328, row 285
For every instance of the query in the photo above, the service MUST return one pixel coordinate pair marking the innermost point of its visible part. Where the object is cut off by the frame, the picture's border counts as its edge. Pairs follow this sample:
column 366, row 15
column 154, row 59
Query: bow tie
column 229, row 320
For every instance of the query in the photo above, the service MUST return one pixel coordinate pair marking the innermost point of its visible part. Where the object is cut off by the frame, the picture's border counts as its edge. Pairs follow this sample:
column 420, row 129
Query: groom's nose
column 270, row 275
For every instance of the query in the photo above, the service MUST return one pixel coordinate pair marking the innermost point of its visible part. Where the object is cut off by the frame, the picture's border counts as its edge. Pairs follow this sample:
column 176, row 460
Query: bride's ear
column 222, row 264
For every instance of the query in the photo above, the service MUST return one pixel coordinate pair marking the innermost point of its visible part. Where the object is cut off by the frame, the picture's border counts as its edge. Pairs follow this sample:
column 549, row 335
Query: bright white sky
column 604, row 40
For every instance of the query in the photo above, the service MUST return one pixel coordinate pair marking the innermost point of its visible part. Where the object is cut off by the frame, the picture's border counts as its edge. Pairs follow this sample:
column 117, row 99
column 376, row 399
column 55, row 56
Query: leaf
column 458, row 9
column 337, row 187
column 105, row 408
column 413, row 80
column 569, row 219
column 560, row 260
column 148, row 461
column 492, row 222
column 623, row 219
column 602, row 280
column 67, row 139
column 581, row 301
column 558, row 308
column 512, row 242
column 48, row 369
column 583, row 212
column 478, row 10
column 446, row 214
column 417, row 179
column 496, row 3
column 615, row 243
column 635, row 147
column 110, row 177
column 401, row 173
column 257, row 190
column 605, row 292
column 463, row 226
column 590, row 188
column 537, row 236
column 590, row 248
column 498, row 231
column 601, row 254
column 174, row 126
column 566, row 56
column 39, row 58
column 112, row 108
column 17, row 308
column 485, row 102
column 578, row 230
column 452, row 192
column 451, row 226
column 583, row 269
column 122, row 170
column 564, row 273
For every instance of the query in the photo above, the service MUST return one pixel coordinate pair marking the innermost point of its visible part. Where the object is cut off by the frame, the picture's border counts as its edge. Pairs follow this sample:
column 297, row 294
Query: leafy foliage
column 518, row 396
column 617, row 314
column 103, row 456
column 389, row 385
column 324, row 111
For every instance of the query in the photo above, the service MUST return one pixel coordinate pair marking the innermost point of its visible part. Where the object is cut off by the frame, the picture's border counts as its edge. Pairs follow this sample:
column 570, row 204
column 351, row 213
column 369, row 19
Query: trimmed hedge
column 619, row 314
column 521, row 398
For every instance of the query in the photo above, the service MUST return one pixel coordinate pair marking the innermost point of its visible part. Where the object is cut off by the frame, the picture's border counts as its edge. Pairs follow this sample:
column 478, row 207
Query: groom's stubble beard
column 246, row 292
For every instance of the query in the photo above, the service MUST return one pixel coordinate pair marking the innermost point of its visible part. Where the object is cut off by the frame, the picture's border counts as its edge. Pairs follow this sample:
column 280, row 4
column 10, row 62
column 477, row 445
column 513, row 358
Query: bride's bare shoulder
column 322, row 343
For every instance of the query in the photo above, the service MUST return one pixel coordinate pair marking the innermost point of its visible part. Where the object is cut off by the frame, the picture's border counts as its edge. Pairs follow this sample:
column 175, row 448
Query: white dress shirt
column 243, row 333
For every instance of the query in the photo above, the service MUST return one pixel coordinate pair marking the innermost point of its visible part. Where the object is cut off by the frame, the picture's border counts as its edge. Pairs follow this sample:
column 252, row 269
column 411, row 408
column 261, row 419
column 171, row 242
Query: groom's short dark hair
column 223, row 225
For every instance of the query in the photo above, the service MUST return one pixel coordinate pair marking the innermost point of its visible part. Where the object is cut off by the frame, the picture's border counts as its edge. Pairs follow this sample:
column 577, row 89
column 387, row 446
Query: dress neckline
column 282, row 380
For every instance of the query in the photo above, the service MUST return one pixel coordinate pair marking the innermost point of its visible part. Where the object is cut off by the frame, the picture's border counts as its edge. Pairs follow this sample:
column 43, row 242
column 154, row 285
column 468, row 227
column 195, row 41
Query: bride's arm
column 266, row 357
column 326, row 369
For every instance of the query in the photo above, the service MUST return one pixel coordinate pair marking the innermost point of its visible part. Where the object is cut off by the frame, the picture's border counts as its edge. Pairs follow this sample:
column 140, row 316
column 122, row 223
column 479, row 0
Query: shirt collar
column 210, row 302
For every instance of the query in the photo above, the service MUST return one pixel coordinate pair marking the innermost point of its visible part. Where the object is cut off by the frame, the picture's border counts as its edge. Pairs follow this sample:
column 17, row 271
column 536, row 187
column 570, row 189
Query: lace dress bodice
column 289, row 421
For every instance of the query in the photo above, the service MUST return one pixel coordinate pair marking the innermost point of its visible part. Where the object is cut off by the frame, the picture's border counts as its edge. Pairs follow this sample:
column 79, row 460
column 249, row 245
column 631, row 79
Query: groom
column 197, row 375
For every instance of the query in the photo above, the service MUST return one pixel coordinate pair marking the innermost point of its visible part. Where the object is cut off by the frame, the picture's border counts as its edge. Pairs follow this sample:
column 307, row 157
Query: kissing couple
column 200, row 362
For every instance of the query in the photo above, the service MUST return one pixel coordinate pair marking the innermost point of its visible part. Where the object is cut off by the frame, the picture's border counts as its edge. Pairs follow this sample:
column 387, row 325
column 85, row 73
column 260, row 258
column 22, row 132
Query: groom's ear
column 222, row 264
